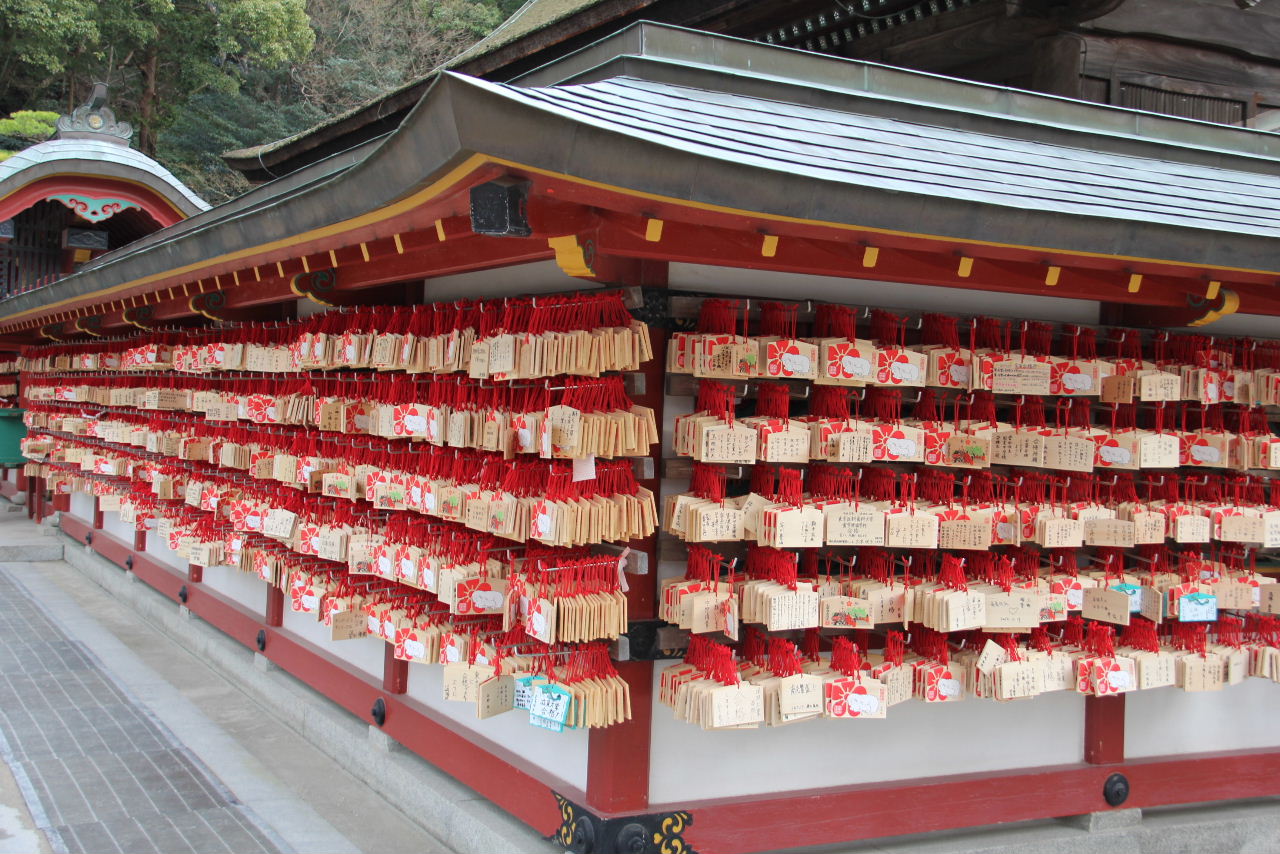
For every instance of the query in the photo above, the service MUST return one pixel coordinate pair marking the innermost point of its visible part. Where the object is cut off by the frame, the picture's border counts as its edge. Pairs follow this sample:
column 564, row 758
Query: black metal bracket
column 652, row 640
column 584, row 832
column 379, row 711
column 182, row 594
column 88, row 538
column 656, row 311
column 1116, row 790
column 501, row 208
column 128, row 561
column 262, row 639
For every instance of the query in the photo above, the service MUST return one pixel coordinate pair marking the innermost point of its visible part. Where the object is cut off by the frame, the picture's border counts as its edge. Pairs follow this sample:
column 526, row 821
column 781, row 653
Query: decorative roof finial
column 94, row 120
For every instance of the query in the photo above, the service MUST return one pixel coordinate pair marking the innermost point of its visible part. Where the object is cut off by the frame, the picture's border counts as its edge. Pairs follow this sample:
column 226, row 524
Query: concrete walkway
column 116, row 739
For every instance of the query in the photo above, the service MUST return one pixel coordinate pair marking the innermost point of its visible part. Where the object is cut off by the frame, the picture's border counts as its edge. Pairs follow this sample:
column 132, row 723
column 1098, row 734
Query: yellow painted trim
column 280, row 269
column 1135, row 282
column 333, row 258
column 870, row 256
column 966, row 267
column 293, row 286
column 476, row 161
column 1212, row 291
column 306, row 267
column 364, row 251
column 440, row 235
column 1051, row 276
column 653, row 230
column 235, row 277
column 570, row 256
column 769, row 247
column 1230, row 304
column 257, row 274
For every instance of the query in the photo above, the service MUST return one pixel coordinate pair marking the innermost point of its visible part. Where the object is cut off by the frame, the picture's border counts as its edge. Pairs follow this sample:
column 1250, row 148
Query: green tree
column 159, row 53
column 39, row 42
column 366, row 47
column 23, row 128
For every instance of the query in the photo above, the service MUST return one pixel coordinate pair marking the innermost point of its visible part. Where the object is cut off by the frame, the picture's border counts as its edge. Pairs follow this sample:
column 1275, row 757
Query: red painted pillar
column 275, row 606
column 34, row 497
column 97, row 512
column 395, row 672
column 618, row 756
column 140, row 541
column 40, row 499
column 1104, row 730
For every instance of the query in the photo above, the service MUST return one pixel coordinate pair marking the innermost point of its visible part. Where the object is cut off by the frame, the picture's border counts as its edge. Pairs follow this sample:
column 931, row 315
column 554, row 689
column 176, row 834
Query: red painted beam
column 874, row 811
column 230, row 617
column 702, row 244
column 618, row 206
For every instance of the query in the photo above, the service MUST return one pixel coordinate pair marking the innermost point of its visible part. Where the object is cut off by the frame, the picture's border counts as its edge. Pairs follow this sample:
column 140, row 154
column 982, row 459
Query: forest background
column 200, row 77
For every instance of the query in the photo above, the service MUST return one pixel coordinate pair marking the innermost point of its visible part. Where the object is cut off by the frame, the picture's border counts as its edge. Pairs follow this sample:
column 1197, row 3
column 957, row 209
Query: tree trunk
column 147, row 104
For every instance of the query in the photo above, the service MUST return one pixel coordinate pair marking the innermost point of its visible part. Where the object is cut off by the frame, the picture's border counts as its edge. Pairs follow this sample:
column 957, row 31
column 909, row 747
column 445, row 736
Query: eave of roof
column 89, row 156
column 653, row 139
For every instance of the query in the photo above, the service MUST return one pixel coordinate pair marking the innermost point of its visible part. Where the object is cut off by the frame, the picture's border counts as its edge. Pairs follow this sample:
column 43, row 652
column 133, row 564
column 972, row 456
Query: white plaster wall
column 158, row 548
column 891, row 295
column 11, row 475
column 563, row 754
column 112, row 525
column 1258, row 325
column 1169, row 720
column 240, row 587
column 915, row 740
column 82, row 506
column 365, row 654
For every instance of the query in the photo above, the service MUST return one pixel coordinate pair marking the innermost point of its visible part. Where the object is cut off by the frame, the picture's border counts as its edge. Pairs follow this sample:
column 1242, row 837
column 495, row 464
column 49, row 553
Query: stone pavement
column 108, row 776
column 116, row 739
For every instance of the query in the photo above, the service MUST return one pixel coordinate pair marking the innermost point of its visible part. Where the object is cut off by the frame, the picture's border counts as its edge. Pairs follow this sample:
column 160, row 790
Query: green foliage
column 27, row 127
column 213, row 122
column 365, row 47
column 197, row 78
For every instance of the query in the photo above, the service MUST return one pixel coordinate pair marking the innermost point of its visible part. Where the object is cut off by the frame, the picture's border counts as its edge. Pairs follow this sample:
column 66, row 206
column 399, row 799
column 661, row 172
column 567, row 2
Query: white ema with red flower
column 1071, row 378
column 791, row 359
column 1111, row 453
column 895, row 366
column 953, row 369
column 894, row 443
column 846, row 361
column 408, row 419
column 261, row 409
column 942, row 684
column 848, row 697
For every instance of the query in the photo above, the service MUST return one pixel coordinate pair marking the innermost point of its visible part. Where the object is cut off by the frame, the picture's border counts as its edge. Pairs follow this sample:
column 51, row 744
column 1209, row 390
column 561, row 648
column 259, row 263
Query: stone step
column 45, row 548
